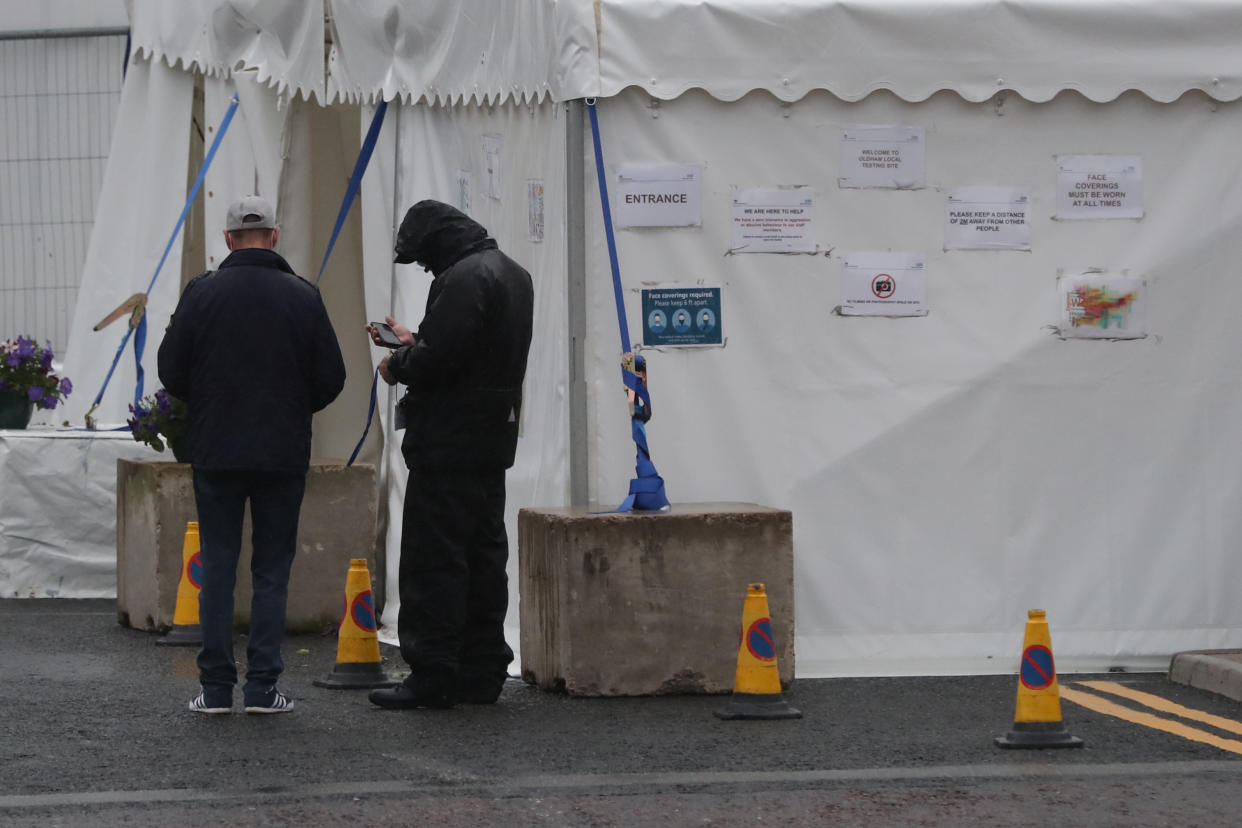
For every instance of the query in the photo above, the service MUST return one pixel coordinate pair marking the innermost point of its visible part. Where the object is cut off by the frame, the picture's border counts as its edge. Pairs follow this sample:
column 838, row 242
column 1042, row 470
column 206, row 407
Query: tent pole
column 575, row 231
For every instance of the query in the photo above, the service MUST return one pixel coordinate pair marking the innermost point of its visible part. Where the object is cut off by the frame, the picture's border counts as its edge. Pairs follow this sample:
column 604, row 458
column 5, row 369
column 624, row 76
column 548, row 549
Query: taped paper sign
column 883, row 284
column 659, row 195
column 884, row 157
column 1102, row 305
column 776, row 220
column 534, row 209
column 680, row 316
column 463, row 190
column 1099, row 187
column 987, row 218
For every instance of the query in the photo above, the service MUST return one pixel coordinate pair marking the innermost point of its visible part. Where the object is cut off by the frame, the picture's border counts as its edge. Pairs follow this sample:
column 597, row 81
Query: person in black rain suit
column 464, row 368
column 250, row 348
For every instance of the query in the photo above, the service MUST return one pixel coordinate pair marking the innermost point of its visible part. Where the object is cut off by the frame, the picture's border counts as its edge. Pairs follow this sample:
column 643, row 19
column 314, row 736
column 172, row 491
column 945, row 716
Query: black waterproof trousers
column 453, row 585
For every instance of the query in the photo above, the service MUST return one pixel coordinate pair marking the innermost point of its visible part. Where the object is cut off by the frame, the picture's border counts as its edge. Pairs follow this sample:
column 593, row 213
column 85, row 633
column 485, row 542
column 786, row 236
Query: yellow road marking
column 1164, row 705
column 1108, row 708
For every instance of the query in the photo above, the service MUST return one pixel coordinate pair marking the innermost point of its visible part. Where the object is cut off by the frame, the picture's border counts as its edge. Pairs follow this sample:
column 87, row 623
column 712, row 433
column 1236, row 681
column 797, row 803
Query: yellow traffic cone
column 357, row 645
column 185, row 631
column 757, row 683
column 1037, row 720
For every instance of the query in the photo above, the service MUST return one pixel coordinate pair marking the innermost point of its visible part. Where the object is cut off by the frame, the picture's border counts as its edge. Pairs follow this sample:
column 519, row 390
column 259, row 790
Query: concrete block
column 1217, row 671
column 649, row 603
column 155, row 500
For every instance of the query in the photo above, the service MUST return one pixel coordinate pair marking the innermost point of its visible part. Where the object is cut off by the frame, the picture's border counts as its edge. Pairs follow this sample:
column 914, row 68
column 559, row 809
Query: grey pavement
column 94, row 730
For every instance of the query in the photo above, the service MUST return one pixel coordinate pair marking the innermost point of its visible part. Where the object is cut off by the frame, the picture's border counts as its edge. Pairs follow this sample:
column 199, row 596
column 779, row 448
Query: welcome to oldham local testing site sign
column 659, row 195
column 674, row 316
column 883, row 157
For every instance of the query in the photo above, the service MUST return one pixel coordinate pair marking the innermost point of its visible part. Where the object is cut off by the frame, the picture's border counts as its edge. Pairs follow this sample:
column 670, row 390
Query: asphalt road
column 94, row 731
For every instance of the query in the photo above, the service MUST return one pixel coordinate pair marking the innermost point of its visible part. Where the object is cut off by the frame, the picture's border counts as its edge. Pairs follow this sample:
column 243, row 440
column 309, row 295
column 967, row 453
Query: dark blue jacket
column 466, row 367
column 250, row 348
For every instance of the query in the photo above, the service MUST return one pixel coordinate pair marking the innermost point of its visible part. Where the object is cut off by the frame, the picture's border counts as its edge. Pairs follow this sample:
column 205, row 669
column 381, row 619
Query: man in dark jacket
column 250, row 348
column 464, row 368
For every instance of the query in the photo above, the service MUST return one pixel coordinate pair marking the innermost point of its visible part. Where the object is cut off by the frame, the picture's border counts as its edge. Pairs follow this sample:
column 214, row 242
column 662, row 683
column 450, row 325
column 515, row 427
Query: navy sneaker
column 199, row 705
column 278, row 703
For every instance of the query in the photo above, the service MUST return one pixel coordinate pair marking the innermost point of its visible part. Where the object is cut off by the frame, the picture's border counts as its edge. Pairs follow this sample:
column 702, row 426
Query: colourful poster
column 1099, row 305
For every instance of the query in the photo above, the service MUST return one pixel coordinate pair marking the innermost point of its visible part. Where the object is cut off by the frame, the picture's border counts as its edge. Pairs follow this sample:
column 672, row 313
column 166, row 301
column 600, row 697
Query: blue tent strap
column 355, row 180
column 370, row 416
column 140, row 340
column 647, row 488
column 351, row 192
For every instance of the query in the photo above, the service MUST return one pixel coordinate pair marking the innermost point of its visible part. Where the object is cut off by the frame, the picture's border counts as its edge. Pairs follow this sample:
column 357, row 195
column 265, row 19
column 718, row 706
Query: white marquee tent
column 946, row 471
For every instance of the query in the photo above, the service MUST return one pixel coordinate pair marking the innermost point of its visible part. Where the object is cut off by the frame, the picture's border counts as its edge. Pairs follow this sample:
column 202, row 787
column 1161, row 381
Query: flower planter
column 15, row 409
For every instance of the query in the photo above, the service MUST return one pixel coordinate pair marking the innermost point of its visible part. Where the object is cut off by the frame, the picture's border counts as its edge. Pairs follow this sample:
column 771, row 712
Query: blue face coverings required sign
column 681, row 316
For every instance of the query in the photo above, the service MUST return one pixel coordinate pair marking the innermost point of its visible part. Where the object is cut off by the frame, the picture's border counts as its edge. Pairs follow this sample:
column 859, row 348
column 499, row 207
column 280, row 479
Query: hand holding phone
column 385, row 335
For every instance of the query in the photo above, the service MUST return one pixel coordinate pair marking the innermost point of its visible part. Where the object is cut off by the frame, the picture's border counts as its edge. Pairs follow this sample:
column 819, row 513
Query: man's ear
column 228, row 240
column 275, row 235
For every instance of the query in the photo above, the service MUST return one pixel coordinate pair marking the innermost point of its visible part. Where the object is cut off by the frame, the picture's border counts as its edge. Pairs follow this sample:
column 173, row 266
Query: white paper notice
column 773, row 221
column 659, row 195
column 1102, row 305
column 883, row 284
column 886, row 157
column 463, row 191
column 493, row 184
column 1099, row 187
column 534, row 209
column 987, row 218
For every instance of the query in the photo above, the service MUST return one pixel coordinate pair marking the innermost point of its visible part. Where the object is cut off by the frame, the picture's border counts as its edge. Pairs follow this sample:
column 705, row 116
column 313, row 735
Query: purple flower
column 25, row 348
column 161, row 401
column 14, row 359
column 66, row 387
column 35, row 394
column 49, row 403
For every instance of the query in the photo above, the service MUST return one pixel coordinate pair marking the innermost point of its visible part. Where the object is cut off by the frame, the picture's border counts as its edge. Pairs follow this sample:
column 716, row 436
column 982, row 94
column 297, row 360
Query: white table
column 58, row 511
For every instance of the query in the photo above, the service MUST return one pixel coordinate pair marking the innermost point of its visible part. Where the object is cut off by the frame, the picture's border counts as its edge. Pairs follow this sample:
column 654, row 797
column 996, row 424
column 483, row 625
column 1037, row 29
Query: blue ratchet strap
column 351, row 191
column 140, row 340
column 355, row 180
column 370, row 414
column 647, row 488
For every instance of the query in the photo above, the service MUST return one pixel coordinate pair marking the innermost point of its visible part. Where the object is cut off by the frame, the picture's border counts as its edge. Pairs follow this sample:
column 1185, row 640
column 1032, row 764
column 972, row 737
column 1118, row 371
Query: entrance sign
column 773, row 220
column 884, row 157
column 676, row 316
column 1099, row 187
column 987, row 218
column 883, row 284
column 659, row 195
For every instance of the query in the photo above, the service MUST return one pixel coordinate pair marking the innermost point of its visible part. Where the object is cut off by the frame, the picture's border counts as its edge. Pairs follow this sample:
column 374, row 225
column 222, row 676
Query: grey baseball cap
column 251, row 213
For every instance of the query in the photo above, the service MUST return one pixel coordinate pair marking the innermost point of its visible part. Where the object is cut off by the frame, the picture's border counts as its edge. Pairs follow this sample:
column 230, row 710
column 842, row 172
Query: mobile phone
column 388, row 337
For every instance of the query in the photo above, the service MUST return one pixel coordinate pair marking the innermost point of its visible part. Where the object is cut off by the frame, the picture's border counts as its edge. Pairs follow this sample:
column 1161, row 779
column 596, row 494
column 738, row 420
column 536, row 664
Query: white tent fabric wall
column 143, row 192
column 434, row 144
column 947, row 473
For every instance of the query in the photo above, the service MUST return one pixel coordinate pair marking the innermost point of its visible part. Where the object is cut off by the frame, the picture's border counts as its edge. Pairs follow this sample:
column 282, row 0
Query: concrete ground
column 94, row 731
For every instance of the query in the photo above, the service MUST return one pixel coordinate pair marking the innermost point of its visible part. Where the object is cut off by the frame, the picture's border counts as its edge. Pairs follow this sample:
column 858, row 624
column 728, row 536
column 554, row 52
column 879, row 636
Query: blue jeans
column 275, row 503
